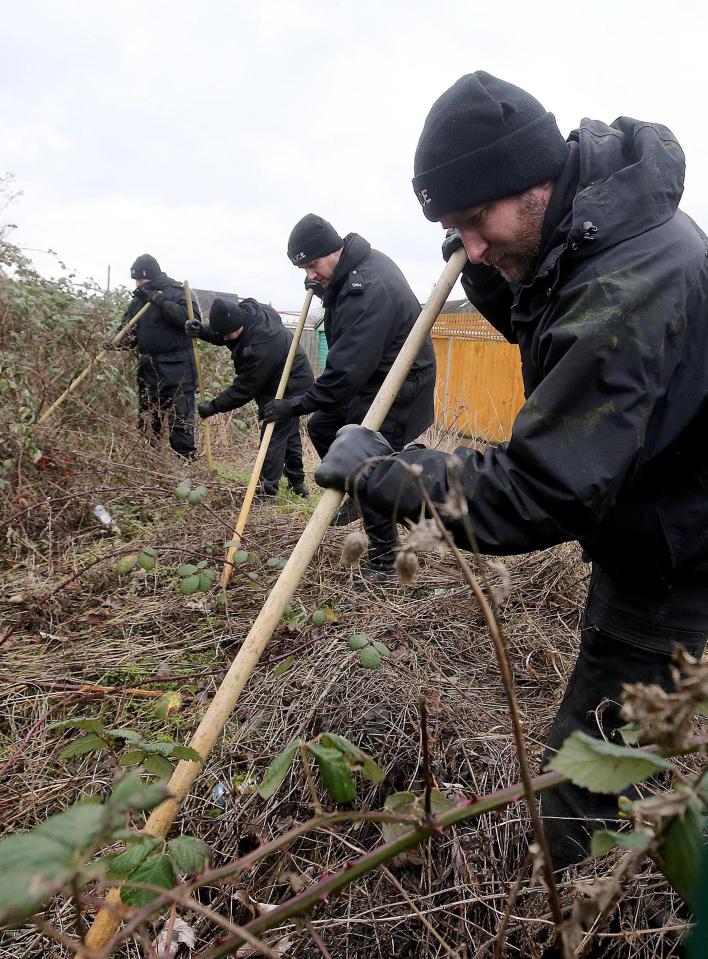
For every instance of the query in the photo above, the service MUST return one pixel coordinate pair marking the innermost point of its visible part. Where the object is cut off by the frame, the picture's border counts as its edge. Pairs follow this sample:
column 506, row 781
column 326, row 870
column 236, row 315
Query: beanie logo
column 423, row 197
column 299, row 256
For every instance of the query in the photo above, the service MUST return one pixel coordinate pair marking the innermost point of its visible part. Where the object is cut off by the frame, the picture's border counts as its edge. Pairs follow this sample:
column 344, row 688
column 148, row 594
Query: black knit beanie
column 311, row 238
column 145, row 267
column 484, row 139
column 225, row 316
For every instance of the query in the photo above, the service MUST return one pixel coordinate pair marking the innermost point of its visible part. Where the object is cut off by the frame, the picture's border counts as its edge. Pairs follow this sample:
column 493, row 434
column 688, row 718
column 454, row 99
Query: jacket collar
column 354, row 250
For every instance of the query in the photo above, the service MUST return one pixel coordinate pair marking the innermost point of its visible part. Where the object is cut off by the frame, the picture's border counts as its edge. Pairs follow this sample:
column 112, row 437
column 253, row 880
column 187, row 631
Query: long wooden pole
column 97, row 359
column 227, row 694
column 200, row 380
column 227, row 571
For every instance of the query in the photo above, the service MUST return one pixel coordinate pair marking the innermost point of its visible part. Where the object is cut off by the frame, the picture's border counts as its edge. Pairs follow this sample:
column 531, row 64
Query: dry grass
column 133, row 631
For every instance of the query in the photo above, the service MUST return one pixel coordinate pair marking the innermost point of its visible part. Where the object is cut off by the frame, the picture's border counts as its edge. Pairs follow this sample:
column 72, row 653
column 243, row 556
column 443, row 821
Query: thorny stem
column 427, row 778
column 507, row 677
column 326, row 954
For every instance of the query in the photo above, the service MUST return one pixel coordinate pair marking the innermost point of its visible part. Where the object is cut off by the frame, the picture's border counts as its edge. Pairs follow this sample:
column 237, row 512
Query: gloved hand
column 452, row 242
column 156, row 297
column 315, row 286
column 193, row 328
column 205, row 409
column 344, row 466
column 278, row 411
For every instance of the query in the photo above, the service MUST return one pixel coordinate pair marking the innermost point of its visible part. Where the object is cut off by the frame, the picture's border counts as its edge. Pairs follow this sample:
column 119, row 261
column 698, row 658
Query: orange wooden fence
column 479, row 388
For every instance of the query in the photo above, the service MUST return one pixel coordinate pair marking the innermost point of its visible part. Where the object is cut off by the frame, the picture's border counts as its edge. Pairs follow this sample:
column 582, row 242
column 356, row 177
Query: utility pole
column 108, row 281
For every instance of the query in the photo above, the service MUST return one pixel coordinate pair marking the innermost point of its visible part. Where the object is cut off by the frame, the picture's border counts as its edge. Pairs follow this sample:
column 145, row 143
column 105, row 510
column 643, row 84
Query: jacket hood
column 355, row 249
column 631, row 179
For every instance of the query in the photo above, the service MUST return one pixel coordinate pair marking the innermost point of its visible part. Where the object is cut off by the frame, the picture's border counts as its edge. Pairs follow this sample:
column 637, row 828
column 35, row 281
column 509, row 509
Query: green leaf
column 319, row 617
column 277, row 562
column 89, row 725
column 284, row 666
column 240, row 556
column 159, row 747
column 186, row 752
column 409, row 804
column 168, row 704
column 369, row 657
column 133, row 757
column 158, row 766
column 358, row 641
column 189, row 585
column 194, row 497
column 631, row 733
column 126, row 862
column 679, row 853
column 362, row 761
column 126, row 734
column 605, row 839
column 32, row 868
column 206, row 580
column 77, row 828
column 147, row 559
column 335, row 773
column 182, row 491
column 126, row 564
column 603, row 767
column 278, row 770
column 381, row 648
column 132, row 793
column 187, row 570
column 84, row 744
column 188, row 853
column 156, row 870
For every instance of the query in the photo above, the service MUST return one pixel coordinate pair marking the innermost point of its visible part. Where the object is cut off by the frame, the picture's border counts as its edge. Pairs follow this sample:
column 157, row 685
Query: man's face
column 233, row 335
column 322, row 269
column 504, row 233
column 142, row 282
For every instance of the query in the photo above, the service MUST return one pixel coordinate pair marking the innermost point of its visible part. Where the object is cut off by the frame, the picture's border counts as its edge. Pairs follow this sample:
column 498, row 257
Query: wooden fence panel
column 479, row 389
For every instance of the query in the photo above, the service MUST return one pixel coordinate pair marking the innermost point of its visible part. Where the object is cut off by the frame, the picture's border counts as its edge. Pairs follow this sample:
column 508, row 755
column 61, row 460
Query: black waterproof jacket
column 369, row 311
column 259, row 356
column 161, row 329
column 610, row 447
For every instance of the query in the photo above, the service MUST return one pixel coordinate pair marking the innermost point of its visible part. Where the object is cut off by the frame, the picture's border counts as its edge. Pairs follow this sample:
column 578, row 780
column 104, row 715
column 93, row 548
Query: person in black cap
column 369, row 311
column 577, row 251
column 259, row 345
column 166, row 371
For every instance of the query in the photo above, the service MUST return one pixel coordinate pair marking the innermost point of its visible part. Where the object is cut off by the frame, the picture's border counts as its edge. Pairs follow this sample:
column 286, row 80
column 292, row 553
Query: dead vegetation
column 70, row 619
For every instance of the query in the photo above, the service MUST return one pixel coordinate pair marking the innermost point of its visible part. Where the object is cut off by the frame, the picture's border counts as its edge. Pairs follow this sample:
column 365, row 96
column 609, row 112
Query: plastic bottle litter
column 218, row 795
column 105, row 518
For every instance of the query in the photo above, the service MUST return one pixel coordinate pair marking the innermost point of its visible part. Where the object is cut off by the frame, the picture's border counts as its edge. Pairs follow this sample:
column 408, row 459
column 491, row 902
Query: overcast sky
column 201, row 132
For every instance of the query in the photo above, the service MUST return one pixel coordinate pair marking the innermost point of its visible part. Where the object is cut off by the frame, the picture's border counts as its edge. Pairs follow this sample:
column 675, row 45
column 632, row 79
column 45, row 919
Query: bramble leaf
column 278, row 770
column 603, row 767
column 335, row 773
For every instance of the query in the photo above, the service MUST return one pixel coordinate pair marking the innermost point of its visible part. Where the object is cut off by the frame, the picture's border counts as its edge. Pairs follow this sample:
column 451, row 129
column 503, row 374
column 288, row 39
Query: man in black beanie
column 166, row 371
column 577, row 252
column 369, row 312
column 259, row 345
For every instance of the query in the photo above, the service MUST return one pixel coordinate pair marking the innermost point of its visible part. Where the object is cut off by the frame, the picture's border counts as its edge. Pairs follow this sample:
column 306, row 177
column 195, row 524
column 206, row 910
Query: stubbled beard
column 520, row 258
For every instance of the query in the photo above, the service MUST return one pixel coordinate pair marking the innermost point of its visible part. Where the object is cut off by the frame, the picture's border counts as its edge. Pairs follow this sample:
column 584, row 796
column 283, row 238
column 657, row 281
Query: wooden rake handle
column 227, row 571
column 226, row 696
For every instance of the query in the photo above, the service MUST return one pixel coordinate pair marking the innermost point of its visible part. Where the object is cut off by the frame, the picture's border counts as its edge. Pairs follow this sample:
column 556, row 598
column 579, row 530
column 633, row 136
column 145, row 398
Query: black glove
column 278, row 411
column 205, row 408
column 156, row 297
column 193, row 328
column 344, row 466
column 315, row 286
column 452, row 242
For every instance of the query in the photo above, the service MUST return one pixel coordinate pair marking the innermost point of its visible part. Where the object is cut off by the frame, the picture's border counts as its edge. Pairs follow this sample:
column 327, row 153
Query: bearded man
column 579, row 254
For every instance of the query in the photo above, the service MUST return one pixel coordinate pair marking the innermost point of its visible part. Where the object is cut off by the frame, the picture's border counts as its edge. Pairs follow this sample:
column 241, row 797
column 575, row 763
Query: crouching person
column 259, row 345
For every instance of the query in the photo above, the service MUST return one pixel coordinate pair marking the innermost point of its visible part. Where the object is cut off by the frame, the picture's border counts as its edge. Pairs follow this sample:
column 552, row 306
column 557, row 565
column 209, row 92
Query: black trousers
column 284, row 455
column 604, row 664
column 383, row 535
column 166, row 384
